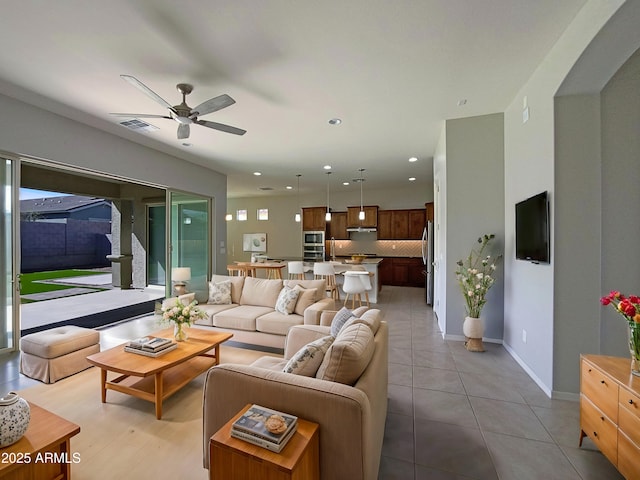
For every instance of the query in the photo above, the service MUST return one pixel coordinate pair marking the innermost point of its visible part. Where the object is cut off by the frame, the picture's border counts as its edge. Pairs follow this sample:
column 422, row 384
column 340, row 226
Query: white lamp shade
column 181, row 274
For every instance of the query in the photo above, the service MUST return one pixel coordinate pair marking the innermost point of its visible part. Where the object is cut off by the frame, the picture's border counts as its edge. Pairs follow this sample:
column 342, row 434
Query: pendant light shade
column 298, row 217
column 361, row 215
column 327, row 215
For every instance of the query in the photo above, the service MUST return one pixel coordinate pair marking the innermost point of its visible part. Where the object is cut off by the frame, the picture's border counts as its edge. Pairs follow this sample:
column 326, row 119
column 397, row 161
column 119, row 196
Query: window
column 263, row 214
column 241, row 215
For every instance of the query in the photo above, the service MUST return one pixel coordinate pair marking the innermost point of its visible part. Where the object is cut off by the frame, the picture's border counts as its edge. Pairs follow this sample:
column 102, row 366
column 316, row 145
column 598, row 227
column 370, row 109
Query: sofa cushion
column 306, row 298
column 319, row 285
column 371, row 318
column 236, row 285
column 287, row 299
column 260, row 292
column 241, row 318
column 339, row 320
column 211, row 310
column 307, row 360
column 270, row 363
column 277, row 323
column 219, row 293
column 348, row 356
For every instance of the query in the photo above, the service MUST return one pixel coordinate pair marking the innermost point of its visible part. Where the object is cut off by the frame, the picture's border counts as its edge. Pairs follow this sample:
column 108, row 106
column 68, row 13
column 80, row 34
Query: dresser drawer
column 628, row 457
column 600, row 388
column 629, row 415
column 599, row 428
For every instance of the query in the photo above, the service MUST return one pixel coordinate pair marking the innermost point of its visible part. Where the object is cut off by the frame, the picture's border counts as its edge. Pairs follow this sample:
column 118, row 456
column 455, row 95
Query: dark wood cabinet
column 338, row 226
column 402, row 272
column 313, row 219
column 401, row 224
column 370, row 217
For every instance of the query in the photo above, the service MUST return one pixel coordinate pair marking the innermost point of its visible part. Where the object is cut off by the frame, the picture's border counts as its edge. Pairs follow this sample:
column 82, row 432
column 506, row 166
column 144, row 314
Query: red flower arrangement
column 629, row 308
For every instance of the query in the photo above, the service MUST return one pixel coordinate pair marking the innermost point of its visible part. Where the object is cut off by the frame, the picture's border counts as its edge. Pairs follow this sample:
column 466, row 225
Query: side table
column 231, row 458
column 44, row 452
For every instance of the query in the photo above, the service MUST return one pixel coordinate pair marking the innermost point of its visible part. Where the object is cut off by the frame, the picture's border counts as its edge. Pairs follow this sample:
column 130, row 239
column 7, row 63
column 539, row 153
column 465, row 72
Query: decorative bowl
column 358, row 258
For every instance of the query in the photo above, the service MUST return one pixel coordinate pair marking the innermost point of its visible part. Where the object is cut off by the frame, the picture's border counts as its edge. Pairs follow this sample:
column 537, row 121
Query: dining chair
column 354, row 287
column 296, row 270
column 324, row 270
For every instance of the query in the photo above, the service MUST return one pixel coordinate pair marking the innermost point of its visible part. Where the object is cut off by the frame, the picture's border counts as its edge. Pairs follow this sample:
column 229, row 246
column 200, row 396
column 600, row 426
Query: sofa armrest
column 343, row 412
column 299, row 335
column 312, row 312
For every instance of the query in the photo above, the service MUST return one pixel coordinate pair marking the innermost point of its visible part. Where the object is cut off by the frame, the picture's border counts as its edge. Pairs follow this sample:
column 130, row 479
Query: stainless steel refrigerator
column 427, row 260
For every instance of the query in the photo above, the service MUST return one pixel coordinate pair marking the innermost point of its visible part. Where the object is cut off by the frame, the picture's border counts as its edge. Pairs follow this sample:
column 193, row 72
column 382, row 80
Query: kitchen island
column 371, row 265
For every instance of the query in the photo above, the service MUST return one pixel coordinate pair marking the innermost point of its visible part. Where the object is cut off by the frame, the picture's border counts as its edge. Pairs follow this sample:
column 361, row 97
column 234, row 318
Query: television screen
column 532, row 229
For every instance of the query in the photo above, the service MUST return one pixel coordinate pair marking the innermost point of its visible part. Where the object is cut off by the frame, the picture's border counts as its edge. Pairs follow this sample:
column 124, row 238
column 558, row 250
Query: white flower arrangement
column 475, row 276
column 179, row 313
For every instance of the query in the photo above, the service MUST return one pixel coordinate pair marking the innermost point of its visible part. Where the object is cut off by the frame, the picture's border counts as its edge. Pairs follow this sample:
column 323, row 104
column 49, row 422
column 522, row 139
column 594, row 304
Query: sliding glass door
column 189, row 218
column 9, row 290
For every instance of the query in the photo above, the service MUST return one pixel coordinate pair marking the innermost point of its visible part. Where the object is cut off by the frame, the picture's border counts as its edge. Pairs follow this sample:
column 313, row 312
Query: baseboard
column 525, row 367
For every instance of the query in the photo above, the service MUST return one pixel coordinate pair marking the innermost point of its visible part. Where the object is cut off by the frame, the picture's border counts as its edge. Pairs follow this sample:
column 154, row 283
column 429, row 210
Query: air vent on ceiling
column 265, row 188
column 139, row 125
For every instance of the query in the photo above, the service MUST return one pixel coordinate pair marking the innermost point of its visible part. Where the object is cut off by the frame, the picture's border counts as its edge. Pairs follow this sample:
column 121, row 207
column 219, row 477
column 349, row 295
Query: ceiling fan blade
column 212, row 105
column 183, row 131
column 222, row 127
column 146, row 90
column 140, row 115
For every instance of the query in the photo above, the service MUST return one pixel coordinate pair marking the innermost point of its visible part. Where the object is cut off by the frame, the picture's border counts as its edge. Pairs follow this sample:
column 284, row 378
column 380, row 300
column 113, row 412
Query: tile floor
column 453, row 414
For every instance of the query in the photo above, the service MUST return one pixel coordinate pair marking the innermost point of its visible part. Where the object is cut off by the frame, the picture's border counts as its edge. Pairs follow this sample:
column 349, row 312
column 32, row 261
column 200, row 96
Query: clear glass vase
column 180, row 332
column 634, row 347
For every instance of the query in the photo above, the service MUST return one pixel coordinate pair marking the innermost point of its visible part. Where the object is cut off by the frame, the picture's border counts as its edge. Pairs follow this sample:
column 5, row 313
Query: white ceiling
column 392, row 70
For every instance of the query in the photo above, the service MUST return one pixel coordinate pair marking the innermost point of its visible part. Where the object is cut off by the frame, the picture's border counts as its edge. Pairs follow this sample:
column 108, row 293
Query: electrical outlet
column 524, row 336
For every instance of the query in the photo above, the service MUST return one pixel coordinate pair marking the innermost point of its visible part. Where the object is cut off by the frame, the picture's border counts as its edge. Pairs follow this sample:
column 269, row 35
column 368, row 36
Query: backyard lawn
column 37, row 282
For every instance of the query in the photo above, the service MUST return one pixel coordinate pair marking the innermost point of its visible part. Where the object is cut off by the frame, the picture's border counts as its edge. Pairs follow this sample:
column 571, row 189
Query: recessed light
column 412, row 179
column 335, row 121
column 257, row 174
column 346, row 183
column 327, row 167
column 289, row 187
column 413, row 159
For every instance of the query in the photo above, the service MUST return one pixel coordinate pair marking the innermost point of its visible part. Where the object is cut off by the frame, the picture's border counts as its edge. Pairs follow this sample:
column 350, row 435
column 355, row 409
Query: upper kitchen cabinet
column 313, row 219
column 370, row 217
column 401, row 224
column 338, row 226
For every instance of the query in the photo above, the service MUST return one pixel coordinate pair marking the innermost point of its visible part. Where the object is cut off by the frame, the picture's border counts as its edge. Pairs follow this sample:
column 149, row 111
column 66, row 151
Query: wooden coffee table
column 44, row 452
column 154, row 379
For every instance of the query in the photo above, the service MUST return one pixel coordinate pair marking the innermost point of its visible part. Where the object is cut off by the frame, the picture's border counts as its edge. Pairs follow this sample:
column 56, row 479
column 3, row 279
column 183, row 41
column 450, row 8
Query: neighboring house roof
column 67, row 203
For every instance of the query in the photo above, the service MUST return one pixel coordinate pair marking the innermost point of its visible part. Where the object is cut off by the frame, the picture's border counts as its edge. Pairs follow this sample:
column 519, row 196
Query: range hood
column 362, row 229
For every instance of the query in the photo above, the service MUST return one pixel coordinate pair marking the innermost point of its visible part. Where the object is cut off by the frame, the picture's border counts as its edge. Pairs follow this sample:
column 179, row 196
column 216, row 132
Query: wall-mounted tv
column 532, row 229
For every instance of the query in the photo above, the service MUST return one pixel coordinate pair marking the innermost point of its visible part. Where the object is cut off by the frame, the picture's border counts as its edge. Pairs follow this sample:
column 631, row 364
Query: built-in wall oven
column 313, row 248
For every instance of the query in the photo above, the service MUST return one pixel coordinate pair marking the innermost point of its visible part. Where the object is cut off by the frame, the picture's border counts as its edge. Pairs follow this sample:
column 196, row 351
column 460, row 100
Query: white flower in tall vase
column 475, row 277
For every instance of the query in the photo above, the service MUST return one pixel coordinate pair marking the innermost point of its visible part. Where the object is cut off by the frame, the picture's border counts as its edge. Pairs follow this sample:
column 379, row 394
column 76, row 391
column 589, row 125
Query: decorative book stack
column 264, row 427
column 150, row 346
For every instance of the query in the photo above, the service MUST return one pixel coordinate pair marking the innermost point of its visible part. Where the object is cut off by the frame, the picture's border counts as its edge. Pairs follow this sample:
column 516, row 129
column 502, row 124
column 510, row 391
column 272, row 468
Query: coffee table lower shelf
column 160, row 386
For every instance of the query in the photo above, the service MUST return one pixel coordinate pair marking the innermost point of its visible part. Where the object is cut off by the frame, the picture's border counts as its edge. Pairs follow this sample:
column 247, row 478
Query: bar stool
column 354, row 286
column 324, row 270
column 235, row 271
column 296, row 270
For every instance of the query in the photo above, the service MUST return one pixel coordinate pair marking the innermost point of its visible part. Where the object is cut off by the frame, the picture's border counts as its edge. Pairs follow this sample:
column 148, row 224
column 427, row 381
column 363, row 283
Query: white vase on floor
column 473, row 330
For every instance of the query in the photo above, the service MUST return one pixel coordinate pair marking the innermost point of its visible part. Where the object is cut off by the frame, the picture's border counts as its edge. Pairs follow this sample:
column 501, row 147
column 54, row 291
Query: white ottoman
column 57, row 353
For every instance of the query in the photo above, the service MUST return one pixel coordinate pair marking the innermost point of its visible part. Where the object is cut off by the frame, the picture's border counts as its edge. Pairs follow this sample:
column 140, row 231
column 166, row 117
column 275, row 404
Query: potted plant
column 475, row 276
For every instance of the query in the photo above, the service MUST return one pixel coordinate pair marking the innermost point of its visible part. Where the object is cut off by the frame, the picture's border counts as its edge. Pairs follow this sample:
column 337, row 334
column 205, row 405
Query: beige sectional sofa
column 251, row 314
column 351, row 411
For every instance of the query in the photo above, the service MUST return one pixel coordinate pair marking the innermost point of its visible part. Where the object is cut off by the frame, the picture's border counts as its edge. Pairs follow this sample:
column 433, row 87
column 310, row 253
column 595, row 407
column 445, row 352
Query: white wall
column 440, row 227
column 530, row 290
column 474, row 207
column 30, row 131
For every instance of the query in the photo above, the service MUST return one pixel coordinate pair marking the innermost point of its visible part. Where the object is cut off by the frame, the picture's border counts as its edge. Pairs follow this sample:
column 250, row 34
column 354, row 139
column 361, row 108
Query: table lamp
column 180, row 276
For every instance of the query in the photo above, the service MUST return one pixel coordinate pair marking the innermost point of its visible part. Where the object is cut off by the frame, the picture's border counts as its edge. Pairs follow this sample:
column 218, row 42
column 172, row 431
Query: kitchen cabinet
column 370, row 217
column 338, row 226
column 313, row 219
column 401, row 224
column 402, row 272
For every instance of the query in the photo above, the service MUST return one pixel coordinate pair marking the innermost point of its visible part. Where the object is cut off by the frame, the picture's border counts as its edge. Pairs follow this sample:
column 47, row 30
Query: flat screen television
column 532, row 229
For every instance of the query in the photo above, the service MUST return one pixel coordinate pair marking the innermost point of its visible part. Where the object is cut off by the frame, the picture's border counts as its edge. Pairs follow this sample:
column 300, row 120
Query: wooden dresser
column 610, row 410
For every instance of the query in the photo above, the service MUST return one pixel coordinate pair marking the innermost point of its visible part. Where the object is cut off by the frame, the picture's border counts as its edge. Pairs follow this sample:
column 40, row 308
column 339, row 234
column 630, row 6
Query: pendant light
column 327, row 215
column 298, row 217
column 361, row 214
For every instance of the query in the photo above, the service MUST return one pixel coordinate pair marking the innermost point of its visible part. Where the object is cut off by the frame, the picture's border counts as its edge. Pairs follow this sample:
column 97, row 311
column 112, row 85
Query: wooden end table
column 231, row 458
column 155, row 379
column 44, row 452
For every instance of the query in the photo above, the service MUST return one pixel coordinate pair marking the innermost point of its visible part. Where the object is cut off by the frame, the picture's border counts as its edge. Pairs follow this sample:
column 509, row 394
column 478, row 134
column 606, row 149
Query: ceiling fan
column 183, row 113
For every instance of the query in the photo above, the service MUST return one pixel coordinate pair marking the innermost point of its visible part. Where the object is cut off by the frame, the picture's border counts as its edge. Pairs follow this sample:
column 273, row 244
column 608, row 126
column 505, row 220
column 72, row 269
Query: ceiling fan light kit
column 183, row 113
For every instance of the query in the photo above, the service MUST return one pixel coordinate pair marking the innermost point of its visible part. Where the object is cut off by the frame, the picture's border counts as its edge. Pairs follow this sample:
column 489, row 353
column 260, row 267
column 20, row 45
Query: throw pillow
column 348, row 356
column 219, row 293
column 306, row 298
column 287, row 300
column 307, row 360
column 339, row 320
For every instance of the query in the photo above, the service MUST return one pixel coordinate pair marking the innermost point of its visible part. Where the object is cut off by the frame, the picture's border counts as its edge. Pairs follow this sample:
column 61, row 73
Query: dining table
column 250, row 269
